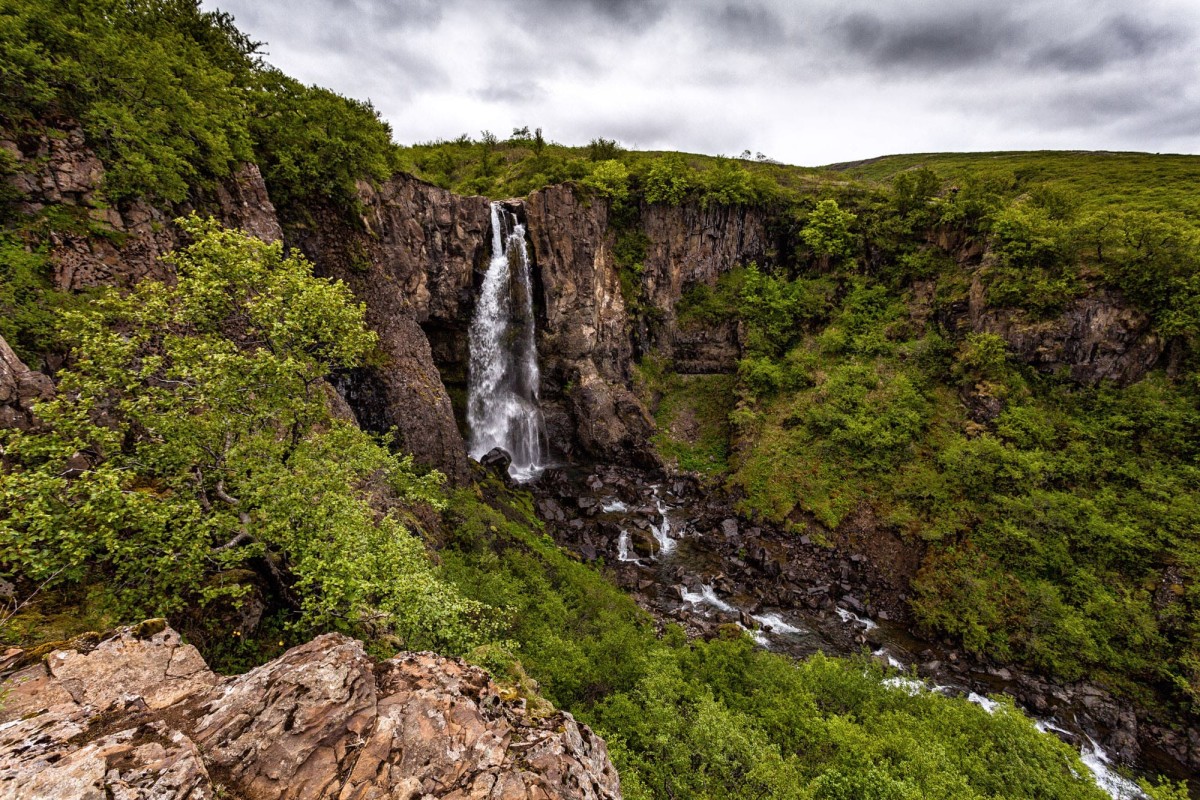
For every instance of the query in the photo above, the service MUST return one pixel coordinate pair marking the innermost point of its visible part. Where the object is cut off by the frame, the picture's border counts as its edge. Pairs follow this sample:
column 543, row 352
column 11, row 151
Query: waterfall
column 502, row 394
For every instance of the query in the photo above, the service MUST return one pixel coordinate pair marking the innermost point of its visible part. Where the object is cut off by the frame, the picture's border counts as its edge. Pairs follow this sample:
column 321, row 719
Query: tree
column 601, row 149
column 156, row 84
column 668, row 180
column 828, row 230
column 191, row 435
column 609, row 179
column 314, row 143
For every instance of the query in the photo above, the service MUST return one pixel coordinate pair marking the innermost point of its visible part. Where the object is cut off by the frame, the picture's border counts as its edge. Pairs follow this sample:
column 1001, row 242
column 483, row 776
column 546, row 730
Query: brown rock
column 20, row 388
column 1098, row 337
column 690, row 245
column 139, row 715
column 411, row 261
column 585, row 346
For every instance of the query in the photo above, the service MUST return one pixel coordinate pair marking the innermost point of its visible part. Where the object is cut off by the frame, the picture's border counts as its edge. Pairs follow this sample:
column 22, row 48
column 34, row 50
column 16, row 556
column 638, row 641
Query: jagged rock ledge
column 137, row 714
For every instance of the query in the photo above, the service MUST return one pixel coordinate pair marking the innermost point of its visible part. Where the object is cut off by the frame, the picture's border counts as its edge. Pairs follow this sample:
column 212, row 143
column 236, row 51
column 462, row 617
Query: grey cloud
column 935, row 42
column 806, row 80
column 588, row 15
column 1177, row 127
column 1119, row 38
column 520, row 92
column 754, row 25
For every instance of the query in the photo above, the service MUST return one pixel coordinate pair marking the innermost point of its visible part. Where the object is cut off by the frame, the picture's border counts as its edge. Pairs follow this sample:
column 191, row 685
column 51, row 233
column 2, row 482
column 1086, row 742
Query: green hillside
column 1131, row 181
column 190, row 463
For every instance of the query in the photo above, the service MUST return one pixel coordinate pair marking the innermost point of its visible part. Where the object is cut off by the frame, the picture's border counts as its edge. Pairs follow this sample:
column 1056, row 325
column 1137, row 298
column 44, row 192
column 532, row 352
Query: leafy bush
column 668, row 180
column 190, row 436
column 157, row 85
column 609, row 179
column 828, row 230
column 313, row 143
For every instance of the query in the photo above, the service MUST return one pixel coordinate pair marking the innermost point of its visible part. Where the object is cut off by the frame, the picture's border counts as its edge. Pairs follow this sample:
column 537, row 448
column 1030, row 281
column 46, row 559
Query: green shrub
column 191, row 435
column 828, row 231
column 668, row 180
column 609, row 179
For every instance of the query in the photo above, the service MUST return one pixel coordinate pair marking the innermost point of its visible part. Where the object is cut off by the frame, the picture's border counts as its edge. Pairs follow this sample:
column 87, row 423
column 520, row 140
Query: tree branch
column 224, row 496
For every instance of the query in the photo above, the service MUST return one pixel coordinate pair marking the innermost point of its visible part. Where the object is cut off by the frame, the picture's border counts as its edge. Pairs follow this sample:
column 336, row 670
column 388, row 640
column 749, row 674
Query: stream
column 684, row 566
column 687, row 558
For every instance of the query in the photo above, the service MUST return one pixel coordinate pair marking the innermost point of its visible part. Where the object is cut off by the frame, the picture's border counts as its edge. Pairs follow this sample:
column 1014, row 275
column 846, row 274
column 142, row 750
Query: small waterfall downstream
column 502, row 394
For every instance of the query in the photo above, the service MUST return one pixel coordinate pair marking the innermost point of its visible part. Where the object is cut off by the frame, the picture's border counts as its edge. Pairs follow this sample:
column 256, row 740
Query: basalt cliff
column 415, row 256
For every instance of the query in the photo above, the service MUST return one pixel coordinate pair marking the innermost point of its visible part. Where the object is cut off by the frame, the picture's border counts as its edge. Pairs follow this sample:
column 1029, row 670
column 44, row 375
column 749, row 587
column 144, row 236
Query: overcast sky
column 803, row 81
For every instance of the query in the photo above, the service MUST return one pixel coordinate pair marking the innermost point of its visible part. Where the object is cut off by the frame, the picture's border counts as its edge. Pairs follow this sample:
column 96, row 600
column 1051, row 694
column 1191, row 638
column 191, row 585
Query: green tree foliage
column 777, row 309
column 313, row 143
column 668, row 180
column 728, row 183
column 174, row 98
column 1153, row 258
column 609, row 179
column 601, row 149
column 191, row 435
column 914, row 188
column 157, row 85
column 828, row 231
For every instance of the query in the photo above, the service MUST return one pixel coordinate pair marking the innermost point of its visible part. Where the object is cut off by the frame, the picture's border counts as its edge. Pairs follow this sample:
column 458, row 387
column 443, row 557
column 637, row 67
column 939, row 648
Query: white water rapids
column 902, row 679
column 502, row 391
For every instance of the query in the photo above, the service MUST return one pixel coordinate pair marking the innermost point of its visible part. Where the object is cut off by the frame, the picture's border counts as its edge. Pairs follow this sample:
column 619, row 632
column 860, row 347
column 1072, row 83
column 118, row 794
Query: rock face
column 1098, row 337
column 585, row 347
column 61, row 169
column 690, row 245
column 411, row 260
column 20, row 388
column 139, row 715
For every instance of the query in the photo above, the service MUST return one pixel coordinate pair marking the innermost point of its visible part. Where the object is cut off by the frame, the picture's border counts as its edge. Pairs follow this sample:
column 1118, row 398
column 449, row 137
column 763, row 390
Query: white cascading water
column 502, row 393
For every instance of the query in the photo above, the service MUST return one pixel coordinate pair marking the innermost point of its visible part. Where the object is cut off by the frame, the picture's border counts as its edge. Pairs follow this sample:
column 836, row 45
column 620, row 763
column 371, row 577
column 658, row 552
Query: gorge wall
column 416, row 254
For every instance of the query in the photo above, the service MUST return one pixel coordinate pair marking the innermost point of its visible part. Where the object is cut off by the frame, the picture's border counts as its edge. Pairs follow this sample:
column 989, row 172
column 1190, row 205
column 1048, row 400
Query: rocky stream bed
column 687, row 558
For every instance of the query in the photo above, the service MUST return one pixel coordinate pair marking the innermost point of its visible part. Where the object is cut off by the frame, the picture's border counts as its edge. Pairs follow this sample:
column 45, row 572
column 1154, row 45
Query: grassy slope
column 1142, row 181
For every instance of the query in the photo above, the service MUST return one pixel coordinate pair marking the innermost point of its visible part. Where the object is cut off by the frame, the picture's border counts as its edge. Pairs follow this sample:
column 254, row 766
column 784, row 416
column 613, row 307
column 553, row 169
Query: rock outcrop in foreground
column 139, row 715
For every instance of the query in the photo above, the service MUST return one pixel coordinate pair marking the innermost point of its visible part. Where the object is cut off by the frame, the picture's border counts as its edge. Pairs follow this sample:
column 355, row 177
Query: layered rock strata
column 138, row 714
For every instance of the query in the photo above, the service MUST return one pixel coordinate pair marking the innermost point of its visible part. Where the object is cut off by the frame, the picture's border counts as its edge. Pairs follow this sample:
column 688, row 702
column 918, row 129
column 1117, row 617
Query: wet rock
column 497, row 459
column 1000, row 672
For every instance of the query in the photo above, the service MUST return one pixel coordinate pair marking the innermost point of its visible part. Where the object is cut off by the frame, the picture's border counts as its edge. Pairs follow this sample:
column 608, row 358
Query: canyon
column 416, row 256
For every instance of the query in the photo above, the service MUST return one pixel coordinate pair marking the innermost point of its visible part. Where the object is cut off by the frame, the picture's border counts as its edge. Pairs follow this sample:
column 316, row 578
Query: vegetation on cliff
column 191, row 439
column 191, row 460
column 174, row 98
column 191, row 457
column 1058, row 517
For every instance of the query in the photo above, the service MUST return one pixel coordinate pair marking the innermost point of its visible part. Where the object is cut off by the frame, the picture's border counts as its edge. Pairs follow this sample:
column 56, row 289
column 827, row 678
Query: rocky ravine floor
column 686, row 557
column 137, row 714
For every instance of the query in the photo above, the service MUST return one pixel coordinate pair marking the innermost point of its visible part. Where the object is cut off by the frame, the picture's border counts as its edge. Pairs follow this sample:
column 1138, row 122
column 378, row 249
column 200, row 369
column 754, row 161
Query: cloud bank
column 804, row 81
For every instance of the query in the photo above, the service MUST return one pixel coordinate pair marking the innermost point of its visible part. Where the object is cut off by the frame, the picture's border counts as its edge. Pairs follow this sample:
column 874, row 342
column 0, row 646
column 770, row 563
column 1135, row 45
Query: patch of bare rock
column 137, row 714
